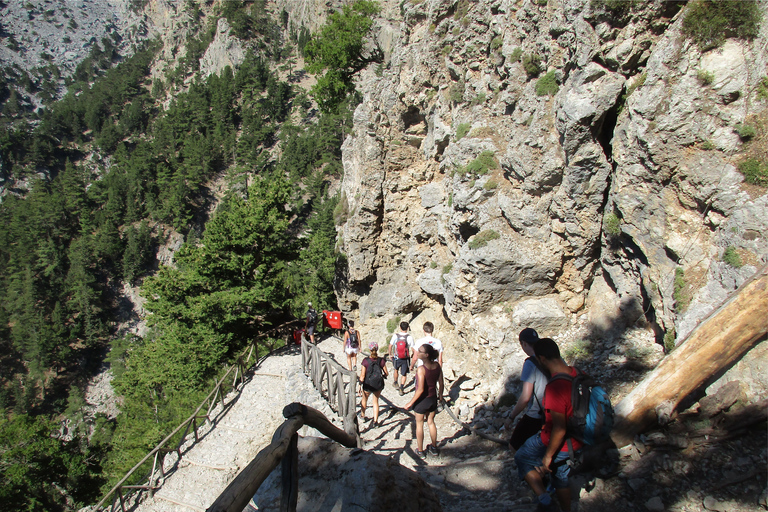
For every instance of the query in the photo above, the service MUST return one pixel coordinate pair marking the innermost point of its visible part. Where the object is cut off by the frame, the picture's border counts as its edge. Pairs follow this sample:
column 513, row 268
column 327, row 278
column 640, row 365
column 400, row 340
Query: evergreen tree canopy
column 340, row 50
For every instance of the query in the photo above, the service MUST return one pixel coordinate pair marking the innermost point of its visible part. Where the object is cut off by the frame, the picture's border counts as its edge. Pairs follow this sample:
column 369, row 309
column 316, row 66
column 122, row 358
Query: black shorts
column 369, row 389
column 402, row 365
column 526, row 427
column 425, row 404
column 310, row 330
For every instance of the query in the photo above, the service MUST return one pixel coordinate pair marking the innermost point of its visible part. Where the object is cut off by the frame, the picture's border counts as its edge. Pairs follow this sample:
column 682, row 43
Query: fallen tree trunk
column 719, row 340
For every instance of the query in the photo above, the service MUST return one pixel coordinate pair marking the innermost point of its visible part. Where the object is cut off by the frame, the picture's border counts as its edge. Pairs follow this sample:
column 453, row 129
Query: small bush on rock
column 482, row 164
column 462, row 130
column 482, row 238
column 547, row 85
column 456, row 93
column 746, row 131
column 762, row 89
column 731, row 257
column 612, row 224
column 532, row 65
column 710, row 22
column 392, row 324
column 669, row 341
column 705, row 77
column 755, row 171
column 682, row 298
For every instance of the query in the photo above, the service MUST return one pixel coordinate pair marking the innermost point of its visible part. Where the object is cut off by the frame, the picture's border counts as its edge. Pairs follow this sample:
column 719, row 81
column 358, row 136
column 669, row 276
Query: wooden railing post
column 290, row 476
column 236, row 496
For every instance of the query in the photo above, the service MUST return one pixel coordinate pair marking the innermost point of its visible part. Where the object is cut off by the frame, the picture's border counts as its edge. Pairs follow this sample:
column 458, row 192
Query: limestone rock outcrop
column 516, row 163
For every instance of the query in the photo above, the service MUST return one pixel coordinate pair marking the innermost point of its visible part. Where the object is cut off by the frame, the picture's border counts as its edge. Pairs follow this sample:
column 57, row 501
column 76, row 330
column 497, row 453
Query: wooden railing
column 335, row 383
column 236, row 373
column 283, row 449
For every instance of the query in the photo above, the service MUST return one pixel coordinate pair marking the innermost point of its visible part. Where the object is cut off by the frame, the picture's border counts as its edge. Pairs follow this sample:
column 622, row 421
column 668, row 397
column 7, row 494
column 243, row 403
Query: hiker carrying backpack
column 593, row 416
column 311, row 316
column 373, row 374
column 401, row 346
column 353, row 337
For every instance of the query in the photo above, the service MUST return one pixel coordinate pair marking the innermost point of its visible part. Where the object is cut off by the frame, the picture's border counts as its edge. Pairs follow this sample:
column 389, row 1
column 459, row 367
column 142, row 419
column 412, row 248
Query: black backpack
column 353, row 338
column 373, row 376
column 312, row 316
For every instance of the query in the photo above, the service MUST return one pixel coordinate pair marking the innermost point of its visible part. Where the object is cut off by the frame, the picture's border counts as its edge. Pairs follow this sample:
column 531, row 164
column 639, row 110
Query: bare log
column 290, row 494
column 720, row 340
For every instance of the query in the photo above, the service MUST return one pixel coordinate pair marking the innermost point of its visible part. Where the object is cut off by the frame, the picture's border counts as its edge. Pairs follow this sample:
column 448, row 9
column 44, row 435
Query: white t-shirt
column 436, row 344
column 408, row 341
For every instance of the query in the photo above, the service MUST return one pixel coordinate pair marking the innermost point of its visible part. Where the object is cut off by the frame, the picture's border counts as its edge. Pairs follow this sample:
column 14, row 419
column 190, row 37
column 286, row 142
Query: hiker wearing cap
column 311, row 322
column 373, row 371
column 546, row 453
column 534, row 378
column 429, row 392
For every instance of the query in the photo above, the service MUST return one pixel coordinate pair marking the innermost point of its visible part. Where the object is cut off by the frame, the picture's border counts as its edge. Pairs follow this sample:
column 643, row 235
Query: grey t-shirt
column 533, row 375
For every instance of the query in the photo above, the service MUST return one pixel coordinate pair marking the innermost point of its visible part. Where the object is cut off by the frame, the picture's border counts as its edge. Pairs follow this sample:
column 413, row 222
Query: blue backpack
column 592, row 419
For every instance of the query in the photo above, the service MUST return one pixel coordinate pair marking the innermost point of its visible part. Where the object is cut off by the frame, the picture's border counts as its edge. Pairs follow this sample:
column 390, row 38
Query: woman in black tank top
column 429, row 391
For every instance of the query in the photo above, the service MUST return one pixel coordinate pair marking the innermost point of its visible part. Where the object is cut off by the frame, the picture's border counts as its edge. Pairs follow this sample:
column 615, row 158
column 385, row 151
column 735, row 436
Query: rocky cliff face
column 487, row 196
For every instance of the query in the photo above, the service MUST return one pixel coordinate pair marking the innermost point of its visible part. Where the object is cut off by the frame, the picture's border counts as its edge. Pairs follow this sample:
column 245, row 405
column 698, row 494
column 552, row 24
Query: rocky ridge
column 62, row 33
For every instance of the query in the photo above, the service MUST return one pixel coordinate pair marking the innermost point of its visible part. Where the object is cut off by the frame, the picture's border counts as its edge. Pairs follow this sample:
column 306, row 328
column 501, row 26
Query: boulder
column 545, row 315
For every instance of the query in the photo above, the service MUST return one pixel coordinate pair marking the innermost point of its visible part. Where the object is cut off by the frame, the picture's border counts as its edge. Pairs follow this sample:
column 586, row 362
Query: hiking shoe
column 395, row 383
column 420, row 454
column 552, row 507
column 401, row 391
column 432, row 449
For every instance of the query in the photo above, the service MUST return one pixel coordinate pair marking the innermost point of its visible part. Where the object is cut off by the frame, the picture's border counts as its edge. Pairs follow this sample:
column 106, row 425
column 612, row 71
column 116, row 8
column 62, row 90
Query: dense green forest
column 110, row 174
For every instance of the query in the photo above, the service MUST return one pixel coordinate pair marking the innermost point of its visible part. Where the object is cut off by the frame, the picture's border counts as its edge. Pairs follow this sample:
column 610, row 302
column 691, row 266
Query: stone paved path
column 469, row 474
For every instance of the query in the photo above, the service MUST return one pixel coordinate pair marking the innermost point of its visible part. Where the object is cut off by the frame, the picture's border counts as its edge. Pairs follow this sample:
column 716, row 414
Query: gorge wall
column 598, row 192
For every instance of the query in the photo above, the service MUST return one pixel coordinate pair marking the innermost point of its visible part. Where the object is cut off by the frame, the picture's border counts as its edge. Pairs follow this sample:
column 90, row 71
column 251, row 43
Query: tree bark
column 719, row 340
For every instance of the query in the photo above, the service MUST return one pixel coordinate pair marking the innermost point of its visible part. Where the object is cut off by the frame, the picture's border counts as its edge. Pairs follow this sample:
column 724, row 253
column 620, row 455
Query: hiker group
column 565, row 410
column 561, row 410
column 426, row 355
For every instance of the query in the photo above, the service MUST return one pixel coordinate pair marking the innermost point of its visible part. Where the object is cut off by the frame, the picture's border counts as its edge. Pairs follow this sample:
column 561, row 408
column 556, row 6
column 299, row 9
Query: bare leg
column 363, row 404
column 376, row 407
column 564, row 497
column 533, row 478
column 419, row 431
column 432, row 428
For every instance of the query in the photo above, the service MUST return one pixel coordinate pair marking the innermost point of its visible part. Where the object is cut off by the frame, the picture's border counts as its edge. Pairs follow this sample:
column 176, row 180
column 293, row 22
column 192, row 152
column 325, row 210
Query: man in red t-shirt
column 535, row 458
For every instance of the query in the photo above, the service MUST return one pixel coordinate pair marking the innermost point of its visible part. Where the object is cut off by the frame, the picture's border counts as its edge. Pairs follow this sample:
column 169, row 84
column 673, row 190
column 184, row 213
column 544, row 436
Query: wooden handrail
column 282, row 449
column 239, row 367
column 342, row 396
